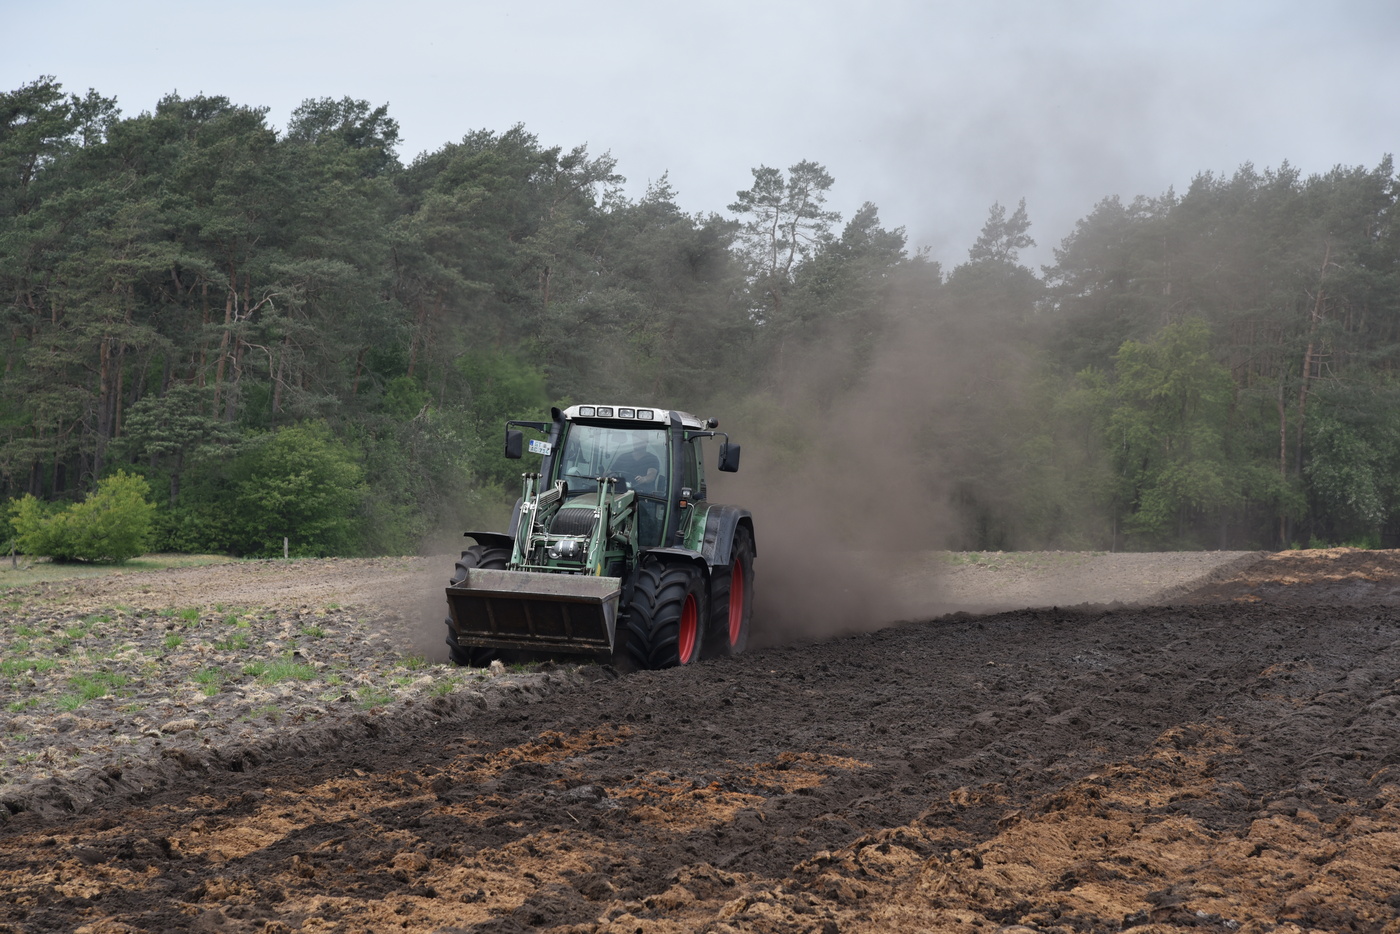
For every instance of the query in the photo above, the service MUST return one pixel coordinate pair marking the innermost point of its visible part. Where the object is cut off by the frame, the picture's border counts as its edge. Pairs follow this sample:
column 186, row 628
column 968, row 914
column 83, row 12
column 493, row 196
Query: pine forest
column 294, row 332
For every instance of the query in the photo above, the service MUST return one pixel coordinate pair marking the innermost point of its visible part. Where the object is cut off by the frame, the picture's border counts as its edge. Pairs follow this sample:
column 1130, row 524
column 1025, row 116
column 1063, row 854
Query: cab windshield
column 636, row 455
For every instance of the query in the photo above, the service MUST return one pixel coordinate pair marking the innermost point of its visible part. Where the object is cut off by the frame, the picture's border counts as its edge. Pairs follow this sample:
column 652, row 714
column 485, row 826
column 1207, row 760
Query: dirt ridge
column 83, row 789
column 1224, row 572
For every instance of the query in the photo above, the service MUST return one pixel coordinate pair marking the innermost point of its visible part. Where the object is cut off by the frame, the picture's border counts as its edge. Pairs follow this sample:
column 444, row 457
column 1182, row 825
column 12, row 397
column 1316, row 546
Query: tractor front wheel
column 731, row 597
column 666, row 616
column 486, row 557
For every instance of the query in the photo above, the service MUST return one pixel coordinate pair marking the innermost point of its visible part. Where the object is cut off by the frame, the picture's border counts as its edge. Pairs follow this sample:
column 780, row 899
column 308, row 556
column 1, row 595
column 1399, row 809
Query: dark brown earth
column 1227, row 763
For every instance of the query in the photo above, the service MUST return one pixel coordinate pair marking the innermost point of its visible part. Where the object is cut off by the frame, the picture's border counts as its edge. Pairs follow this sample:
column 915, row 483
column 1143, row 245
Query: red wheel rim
column 690, row 624
column 736, row 603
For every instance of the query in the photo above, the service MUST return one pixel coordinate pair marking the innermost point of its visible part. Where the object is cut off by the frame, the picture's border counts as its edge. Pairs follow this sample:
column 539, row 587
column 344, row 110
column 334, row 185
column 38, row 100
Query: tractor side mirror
column 729, row 457
column 515, row 440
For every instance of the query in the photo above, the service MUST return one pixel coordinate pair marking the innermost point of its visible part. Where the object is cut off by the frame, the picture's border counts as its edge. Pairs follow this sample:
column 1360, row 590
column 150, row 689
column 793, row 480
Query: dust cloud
column 849, row 467
column 847, row 477
column 426, row 615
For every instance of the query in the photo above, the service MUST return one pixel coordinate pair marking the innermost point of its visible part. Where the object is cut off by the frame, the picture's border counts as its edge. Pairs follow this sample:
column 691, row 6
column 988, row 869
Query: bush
column 190, row 530
column 112, row 524
column 300, row 482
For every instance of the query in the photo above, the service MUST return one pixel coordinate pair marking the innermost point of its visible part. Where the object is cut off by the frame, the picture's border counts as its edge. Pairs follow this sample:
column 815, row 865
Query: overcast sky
column 932, row 110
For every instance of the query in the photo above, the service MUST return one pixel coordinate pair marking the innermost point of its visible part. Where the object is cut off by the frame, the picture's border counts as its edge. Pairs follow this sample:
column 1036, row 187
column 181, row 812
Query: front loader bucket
column 548, row 613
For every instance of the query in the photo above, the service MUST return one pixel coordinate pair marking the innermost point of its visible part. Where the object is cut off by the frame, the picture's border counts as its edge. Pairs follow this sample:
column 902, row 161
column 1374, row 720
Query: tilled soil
column 1226, row 765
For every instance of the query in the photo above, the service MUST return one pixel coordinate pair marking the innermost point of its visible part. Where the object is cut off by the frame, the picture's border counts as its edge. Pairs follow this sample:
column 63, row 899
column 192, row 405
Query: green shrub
column 190, row 530
column 112, row 524
column 300, row 482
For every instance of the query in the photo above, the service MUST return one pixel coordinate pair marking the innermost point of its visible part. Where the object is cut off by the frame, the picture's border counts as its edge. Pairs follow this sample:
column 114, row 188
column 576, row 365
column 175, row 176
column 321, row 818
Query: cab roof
column 633, row 413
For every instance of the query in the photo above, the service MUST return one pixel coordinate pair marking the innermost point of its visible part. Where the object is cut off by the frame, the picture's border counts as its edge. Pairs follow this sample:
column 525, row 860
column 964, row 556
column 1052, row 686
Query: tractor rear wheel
column 666, row 616
column 731, row 597
column 487, row 557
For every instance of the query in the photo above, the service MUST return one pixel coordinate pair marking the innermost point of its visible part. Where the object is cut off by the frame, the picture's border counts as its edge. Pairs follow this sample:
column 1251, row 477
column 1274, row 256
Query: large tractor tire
column 731, row 598
column 487, row 557
column 666, row 616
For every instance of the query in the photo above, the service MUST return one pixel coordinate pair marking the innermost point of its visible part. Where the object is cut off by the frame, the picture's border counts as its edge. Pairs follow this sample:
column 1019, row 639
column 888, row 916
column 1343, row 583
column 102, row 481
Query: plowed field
column 1230, row 762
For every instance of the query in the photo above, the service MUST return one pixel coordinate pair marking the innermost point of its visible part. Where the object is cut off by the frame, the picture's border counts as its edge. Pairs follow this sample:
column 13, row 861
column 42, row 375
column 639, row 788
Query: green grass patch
column 369, row 696
column 413, row 662
column 99, row 683
column 90, row 688
column 174, row 641
column 21, row 705
column 281, row 670
column 11, row 667
column 442, row 687
column 38, row 570
column 315, row 632
column 209, row 680
column 271, row 711
column 234, row 643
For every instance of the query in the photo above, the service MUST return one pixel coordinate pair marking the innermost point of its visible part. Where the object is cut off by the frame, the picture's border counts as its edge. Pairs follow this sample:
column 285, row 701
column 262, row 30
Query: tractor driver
column 638, row 465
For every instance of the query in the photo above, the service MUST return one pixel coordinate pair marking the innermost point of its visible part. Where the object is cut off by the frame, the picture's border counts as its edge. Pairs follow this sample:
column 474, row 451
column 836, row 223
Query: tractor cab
column 652, row 453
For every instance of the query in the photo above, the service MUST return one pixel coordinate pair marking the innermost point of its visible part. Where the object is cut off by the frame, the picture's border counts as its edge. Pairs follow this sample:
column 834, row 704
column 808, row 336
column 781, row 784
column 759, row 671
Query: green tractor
column 613, row 550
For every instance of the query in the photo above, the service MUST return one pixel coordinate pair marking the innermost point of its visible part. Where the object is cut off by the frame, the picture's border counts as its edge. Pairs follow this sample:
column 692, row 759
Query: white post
column 284, row 546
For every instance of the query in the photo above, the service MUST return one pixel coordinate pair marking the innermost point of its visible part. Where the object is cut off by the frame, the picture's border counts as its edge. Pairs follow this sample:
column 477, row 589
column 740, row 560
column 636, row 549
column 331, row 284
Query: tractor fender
column 720, row 525
column 673, row 553
column 492, row 539
column 677, row 552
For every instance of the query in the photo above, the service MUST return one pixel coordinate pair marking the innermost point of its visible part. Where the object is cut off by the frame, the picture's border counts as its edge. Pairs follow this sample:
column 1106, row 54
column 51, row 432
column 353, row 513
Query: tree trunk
column 1306, row 377
column 359, row 368
column 175, row 477
column 204, row 336
column 231, row 405
column 118, row 390
column 277, row 379
column 230, row 307
column 104, row 402
column 1282, row 461
column 419, row 336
